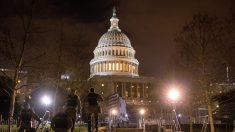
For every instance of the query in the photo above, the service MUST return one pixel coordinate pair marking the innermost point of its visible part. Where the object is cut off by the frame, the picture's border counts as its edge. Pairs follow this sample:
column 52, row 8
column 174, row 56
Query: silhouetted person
column 93, row 107
column 73, row 105
column 61, row 122
column 25, row 118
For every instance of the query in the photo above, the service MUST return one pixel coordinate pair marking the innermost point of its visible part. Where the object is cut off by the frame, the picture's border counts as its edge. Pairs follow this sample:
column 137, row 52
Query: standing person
column 61, row 122
column 25, row 119
column 93, row 107
column 73, row 105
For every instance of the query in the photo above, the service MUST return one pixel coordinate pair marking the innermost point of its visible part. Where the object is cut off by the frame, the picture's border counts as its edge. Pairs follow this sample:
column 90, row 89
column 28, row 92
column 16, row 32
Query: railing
column 5, row 124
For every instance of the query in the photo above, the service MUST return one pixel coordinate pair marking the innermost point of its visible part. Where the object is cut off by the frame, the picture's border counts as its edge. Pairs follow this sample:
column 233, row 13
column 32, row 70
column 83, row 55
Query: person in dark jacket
column 73, row 106
column 92, row 107
column 25, row 118
column 61, row 122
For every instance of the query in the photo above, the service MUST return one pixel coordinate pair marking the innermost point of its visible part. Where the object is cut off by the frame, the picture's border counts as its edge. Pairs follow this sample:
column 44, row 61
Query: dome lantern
column 114, row 21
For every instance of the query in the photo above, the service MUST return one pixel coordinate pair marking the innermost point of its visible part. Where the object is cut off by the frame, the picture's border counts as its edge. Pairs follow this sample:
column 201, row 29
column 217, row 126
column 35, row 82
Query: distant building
column 114, row 69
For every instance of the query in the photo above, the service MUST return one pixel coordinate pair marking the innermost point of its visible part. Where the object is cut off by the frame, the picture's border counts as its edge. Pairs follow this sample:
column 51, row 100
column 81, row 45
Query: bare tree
column 73, row 59
column 15, row 40
column 196, row 43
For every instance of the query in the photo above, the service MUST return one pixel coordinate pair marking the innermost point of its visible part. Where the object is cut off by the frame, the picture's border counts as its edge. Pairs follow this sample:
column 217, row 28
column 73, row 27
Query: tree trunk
column 211, row 118
column 12, row 104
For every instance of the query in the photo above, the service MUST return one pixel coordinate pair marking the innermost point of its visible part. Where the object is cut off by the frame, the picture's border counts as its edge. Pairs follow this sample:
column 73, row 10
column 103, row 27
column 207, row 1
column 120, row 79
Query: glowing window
column 126, row 93
column 127, row 67
column 133, row 69
column 117, row 66
column 113, row 68
column 124, row 67
column 110, row 67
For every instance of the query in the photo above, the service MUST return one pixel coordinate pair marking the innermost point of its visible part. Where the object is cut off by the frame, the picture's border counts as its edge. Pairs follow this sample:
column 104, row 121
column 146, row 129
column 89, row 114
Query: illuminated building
column 114, row 68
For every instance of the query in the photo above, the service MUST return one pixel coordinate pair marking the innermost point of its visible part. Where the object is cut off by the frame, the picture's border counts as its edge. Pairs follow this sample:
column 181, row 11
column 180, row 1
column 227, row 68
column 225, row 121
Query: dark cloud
column 85, row 10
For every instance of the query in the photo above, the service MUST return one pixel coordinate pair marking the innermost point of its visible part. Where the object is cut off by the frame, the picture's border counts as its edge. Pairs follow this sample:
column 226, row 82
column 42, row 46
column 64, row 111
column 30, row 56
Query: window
column 128, row 89
column 113, row 68
column 133, row 69
column 110, row 66
column 140, row 90
column 118, row 86
column 146, row 90
column 124, row 67
column 117, row 66
column 126, row 93
column 134, row 90
column 129, row 68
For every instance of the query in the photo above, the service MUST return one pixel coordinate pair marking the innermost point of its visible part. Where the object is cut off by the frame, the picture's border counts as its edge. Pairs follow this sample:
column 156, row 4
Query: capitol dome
column 114, row 54
column 114, row 38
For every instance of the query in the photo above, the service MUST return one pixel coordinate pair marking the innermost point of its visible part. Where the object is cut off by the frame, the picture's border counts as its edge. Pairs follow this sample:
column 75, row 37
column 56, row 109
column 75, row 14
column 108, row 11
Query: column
column 143, row 90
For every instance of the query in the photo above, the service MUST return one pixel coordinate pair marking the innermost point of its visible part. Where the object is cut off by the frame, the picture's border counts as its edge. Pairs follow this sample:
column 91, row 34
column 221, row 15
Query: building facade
column 114, row 69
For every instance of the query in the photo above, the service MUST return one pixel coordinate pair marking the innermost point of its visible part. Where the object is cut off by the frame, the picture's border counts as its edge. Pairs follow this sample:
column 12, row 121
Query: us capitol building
column 114, row 68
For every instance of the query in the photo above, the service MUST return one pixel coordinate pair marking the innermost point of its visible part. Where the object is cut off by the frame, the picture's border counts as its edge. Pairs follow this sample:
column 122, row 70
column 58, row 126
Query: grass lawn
column 78, row 128
column 4, row 128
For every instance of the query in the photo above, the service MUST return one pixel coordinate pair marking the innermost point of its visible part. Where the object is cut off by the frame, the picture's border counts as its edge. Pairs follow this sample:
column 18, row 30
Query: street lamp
column 174, row 96
column 114, row 112
column 141, row 122
column 46, row 100
column 142, row 112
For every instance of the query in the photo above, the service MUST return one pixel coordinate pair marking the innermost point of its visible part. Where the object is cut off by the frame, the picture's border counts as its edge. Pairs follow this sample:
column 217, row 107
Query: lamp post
column 46, row 100
column 112, row 115
column 174, row 96
column 141, row 122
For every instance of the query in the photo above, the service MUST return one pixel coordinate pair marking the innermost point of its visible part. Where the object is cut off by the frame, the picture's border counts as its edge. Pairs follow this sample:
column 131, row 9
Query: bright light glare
column 46, row 100
column 114, row 112
column 179, row 115
column 142, row 111
column 126, row 115
column 173, row 94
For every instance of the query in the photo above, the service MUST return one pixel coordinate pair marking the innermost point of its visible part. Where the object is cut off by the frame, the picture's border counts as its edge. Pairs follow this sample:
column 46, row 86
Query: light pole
column 141, row 122
column 113, row 114
column 174, row 96
column 46, row 100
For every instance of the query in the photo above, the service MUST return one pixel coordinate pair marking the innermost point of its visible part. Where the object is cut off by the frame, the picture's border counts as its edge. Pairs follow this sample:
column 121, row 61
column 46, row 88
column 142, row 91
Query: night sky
column 150, row 25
